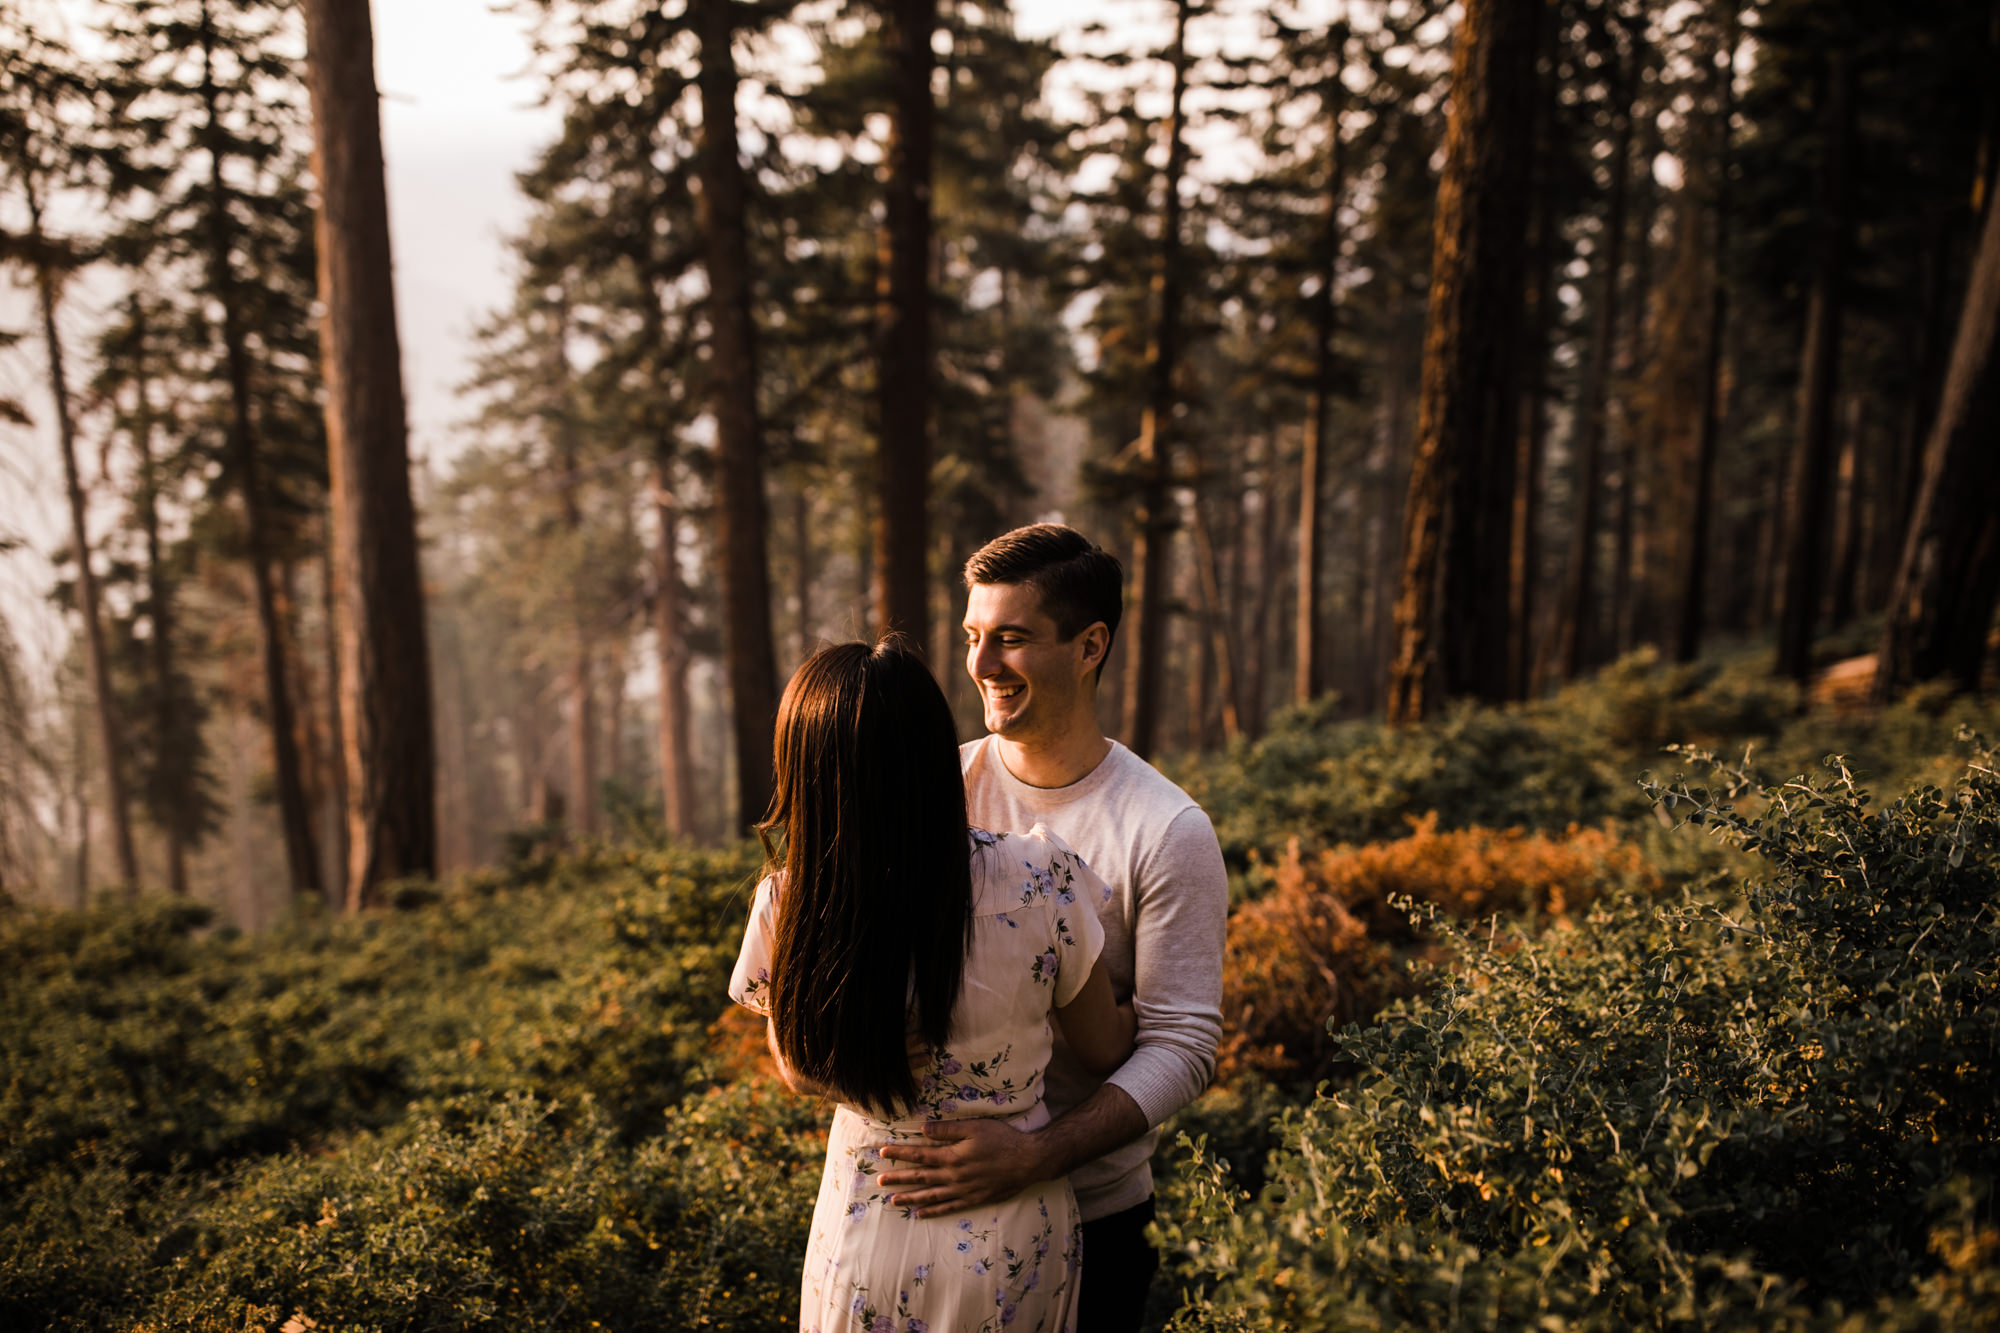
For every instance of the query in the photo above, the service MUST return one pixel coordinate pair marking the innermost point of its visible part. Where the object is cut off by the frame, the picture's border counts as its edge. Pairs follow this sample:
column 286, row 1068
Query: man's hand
column 963, row 1164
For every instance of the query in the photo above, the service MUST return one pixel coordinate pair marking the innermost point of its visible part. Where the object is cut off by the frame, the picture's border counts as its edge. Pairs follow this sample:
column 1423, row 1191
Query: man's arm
column 1177, row 992
column 967, row 1163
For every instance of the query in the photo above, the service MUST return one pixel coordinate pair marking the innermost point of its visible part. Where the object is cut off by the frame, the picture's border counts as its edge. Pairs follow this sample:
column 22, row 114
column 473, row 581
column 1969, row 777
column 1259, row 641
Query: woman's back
column 1033, row 940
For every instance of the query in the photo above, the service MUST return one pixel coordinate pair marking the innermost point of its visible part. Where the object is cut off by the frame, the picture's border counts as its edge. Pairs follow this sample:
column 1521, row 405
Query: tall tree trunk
column 384, row 653
column 1946, row 587
column 903, row 379
column 1819, row 368
column 1152, row 538
column 670, row 634
column 1308, row 670
column 110, row 732
column 740, row 512
column 1221, row 645
column 1527, row 554
column 1694, row 550
column 1579, row 603
column 294, row 812
column 159, row 590
column 336, row 890
column 1457, row 525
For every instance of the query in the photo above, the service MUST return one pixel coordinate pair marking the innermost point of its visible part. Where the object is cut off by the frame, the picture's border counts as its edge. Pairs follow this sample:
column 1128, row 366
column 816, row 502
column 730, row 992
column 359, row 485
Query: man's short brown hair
column 1079, row 582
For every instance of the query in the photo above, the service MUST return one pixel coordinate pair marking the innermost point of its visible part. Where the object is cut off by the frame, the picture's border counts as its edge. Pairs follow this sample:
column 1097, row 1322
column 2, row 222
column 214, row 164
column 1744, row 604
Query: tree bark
column 1309, row 672
column 1946, row 587
column 732, row 366
column 580, row 685
column 1694, row 556
column 384, row 652
column 1153, row 534
column 110, row 732
column 1812, row 458
column 1457, row 524
column 294, row 812
column 903, row 379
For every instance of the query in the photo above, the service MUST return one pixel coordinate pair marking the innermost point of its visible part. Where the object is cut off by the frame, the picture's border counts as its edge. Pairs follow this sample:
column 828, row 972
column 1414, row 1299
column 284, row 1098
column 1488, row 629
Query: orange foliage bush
column 1325, row 943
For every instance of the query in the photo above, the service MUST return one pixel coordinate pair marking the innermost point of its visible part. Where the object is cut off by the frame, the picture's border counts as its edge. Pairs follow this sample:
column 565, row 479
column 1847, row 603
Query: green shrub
column 1776, row 1105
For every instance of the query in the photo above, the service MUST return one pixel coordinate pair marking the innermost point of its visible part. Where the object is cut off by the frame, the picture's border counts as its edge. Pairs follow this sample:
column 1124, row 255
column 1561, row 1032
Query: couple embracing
column 1003, row 960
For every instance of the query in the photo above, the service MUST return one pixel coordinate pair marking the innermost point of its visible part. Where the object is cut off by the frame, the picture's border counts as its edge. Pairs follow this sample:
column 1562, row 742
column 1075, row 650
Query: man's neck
column 1071, row 758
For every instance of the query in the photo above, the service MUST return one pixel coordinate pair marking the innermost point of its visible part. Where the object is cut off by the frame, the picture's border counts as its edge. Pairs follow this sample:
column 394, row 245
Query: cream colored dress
column 1013, row 1265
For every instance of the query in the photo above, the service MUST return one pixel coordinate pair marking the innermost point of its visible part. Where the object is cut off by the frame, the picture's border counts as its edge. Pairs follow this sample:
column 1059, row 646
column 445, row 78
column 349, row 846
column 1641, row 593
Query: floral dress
column 1012, row 1265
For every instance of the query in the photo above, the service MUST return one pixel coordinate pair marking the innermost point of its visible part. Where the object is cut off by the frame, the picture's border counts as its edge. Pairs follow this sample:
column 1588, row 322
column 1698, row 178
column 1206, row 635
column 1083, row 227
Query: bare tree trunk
column 1457, row 526
column 110, row 732
column 1308, row 670
column 669, row 629
column 1152, row 537
column 301, row 861
column 336, row 890
column 1694, row 560
column 740, row 509
column 1812, row 458
column 802, row 568
column 384, row 653
column 903, row 380
column 580, row 684
column 1949, row 580
column 1579, row 604
column 1221, row 644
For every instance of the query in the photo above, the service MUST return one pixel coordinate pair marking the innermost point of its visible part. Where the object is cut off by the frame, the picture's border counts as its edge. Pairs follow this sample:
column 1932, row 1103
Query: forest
column 1554, row 447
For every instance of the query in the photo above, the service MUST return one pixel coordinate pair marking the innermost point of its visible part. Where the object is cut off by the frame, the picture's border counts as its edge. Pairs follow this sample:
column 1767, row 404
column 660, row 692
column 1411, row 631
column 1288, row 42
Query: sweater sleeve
column 1181, row 911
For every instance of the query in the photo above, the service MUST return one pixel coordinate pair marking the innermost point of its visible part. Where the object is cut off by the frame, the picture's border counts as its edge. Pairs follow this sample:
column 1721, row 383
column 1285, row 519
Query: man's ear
column 1095, row 641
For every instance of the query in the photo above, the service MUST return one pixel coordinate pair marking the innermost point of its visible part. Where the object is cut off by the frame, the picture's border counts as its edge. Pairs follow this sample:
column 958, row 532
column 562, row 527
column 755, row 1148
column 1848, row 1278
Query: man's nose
column 981, row 659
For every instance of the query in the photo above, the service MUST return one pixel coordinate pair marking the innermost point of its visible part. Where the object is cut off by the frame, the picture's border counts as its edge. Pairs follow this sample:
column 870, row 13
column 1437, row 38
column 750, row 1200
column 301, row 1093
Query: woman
column 909, row 966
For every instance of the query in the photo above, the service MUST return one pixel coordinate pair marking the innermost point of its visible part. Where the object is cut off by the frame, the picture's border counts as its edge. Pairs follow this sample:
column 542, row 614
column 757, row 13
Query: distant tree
column 218, row 125
column 134, row 388
column 1810, row 488
column 741, row 509
column 1153, row 453
column 47, row 96
column 385, row 662
column 1457, row 539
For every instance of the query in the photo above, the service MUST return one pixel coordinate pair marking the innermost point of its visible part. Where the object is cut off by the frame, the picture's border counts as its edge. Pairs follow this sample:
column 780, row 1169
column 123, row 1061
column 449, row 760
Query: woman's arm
column 1098, row 1029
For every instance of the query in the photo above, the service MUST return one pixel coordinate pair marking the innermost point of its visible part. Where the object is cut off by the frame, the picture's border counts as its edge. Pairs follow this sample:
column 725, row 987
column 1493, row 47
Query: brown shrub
column 1325, row 942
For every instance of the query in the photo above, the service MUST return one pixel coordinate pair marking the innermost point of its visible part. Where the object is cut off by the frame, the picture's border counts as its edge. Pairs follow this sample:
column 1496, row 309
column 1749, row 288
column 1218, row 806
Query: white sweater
column 1163, row 933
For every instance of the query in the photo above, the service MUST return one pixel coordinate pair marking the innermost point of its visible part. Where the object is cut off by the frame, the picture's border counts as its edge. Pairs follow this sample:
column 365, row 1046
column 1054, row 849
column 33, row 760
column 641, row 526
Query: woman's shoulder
column 1014, row 871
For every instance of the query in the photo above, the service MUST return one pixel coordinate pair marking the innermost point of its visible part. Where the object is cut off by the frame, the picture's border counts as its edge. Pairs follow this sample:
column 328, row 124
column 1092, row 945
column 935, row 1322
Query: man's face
column 1030, row 680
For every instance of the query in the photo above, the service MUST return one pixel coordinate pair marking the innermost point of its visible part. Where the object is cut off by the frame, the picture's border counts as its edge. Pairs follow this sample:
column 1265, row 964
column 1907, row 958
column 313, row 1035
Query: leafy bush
column 1776, row 1105
column 1326, row 941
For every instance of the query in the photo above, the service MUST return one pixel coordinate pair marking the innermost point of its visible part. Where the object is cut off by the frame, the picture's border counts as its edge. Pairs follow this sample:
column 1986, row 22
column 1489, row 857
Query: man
column 1042, row 606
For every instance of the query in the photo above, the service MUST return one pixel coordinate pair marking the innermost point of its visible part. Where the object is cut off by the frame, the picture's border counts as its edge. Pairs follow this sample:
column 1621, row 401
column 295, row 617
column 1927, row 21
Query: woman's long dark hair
column 877, row 885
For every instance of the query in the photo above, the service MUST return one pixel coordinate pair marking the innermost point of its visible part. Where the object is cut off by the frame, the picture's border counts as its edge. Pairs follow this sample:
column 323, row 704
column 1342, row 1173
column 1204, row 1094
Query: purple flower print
column 857, row 1209
column 860, row 1303
column 923, row 1271
column 965, row 1247
column 968, row 1094
column 1049, row 963
column 1066, row 897
column 983, row 838
column 980, row 1269
column 965, row 1226
column 763, row 974
column 1034, row 1280
column 950, row 1066
column 1007, row 1313
column 883, row 1324
column 916, row 1326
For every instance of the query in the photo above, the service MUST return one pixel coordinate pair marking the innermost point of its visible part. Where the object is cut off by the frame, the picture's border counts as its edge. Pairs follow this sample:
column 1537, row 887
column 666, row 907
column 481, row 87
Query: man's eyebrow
column 998, row 629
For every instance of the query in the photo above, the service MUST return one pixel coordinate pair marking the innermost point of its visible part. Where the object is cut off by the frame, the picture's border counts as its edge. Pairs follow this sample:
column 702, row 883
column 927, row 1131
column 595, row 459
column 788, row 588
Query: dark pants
column 1118, row 1266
